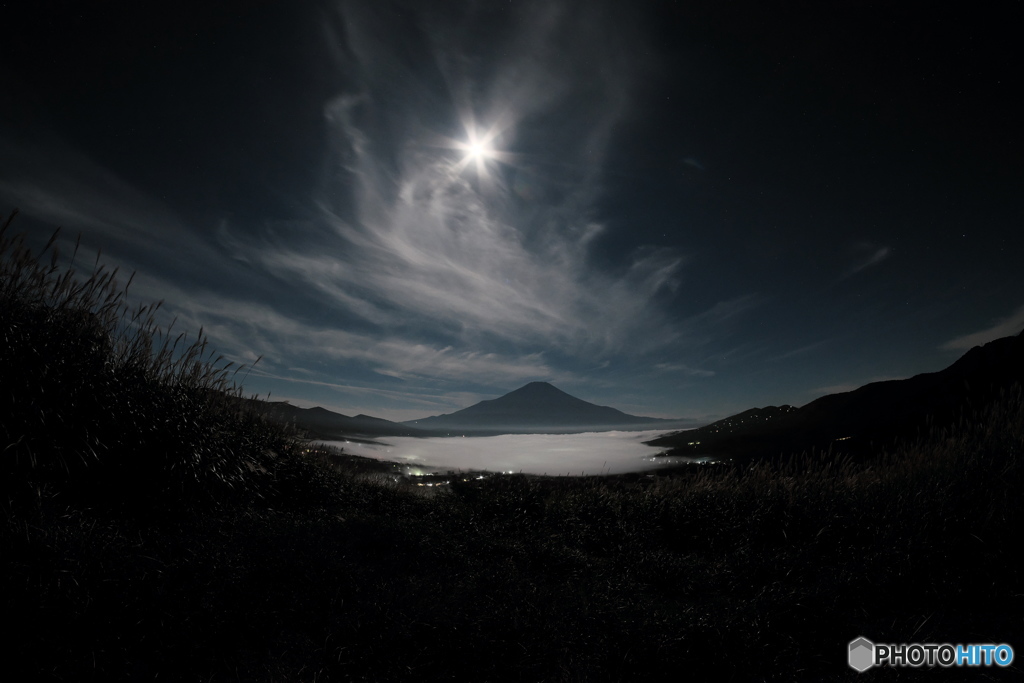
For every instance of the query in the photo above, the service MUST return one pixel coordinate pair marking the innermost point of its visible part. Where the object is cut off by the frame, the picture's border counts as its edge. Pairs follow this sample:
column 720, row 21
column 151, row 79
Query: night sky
column 680, row 209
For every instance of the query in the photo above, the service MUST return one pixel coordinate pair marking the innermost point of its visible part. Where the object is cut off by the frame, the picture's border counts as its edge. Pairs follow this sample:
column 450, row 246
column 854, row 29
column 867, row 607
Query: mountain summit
column 535, row 407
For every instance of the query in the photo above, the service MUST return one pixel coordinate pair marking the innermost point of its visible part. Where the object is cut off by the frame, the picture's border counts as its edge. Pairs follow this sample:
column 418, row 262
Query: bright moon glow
column 478, row 150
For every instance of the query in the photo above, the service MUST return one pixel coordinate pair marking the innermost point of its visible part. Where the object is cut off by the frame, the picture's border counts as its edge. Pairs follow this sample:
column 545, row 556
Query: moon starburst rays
column 478, row 151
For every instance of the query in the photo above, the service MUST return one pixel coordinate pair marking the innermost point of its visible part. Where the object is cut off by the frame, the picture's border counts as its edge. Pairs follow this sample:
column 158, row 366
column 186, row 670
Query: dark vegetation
column 102, row 406
column 154, row 528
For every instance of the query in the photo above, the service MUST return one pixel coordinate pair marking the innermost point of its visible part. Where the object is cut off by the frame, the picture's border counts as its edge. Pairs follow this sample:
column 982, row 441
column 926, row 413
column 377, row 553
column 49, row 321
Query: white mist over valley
column 590, row 453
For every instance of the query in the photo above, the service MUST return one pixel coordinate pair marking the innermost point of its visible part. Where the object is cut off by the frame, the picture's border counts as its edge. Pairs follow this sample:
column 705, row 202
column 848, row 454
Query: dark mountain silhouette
column 874, row 415
column 320, row 423
column 537, row 407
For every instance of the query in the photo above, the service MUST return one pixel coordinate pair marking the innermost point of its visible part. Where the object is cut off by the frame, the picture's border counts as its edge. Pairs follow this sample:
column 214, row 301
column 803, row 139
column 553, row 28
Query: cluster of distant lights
column 416, row 473
column 444, row 483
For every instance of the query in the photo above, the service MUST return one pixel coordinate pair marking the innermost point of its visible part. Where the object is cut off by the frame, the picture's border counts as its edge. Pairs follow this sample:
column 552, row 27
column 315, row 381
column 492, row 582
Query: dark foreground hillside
column 762, row 574
column 265, row 562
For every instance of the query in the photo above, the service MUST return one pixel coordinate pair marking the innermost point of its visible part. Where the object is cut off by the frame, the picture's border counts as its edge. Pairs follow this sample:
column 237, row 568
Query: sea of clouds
column 552, row 454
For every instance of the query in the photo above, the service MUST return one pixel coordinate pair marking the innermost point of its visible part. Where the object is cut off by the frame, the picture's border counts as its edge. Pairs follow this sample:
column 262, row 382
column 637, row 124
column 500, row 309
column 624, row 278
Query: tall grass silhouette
column 100, row 402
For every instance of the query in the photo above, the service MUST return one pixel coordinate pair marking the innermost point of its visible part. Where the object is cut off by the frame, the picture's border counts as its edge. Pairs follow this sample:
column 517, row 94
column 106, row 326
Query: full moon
column 477, row 149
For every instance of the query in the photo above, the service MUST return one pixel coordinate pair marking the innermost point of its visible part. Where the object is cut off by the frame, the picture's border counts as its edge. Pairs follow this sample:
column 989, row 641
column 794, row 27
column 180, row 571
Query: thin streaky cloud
column 876, row 257
column 801, row 351
column 683, row 369
column 55, row 183
column 429, row 401
column 242, row 328
column 1011, row 325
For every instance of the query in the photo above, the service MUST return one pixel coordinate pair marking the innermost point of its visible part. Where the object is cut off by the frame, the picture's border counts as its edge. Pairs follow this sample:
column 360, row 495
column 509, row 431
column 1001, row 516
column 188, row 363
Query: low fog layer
column 553, row 454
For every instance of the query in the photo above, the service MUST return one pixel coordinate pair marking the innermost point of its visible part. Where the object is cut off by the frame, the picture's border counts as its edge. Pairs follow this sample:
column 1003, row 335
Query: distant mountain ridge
column 857, row 421
column 850, row 422
column 535, row 407
column 320, row 423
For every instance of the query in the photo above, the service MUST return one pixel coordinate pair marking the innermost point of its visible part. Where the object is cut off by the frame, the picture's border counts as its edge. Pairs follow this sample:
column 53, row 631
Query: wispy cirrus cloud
column 405, row 261
column 416, row 403
column 800, row 351
column 250, row 329
column 52, row 181
column 410, row 239
column 870, row 255
column 1011, row 325
column 683, row 369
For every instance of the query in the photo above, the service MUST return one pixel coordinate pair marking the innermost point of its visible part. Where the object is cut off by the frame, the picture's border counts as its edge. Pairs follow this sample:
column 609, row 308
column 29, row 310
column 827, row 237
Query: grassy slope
column 295, row 571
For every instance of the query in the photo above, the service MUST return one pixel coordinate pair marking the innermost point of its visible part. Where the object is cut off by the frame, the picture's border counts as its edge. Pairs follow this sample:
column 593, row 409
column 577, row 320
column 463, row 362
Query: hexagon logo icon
column 862, row 654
